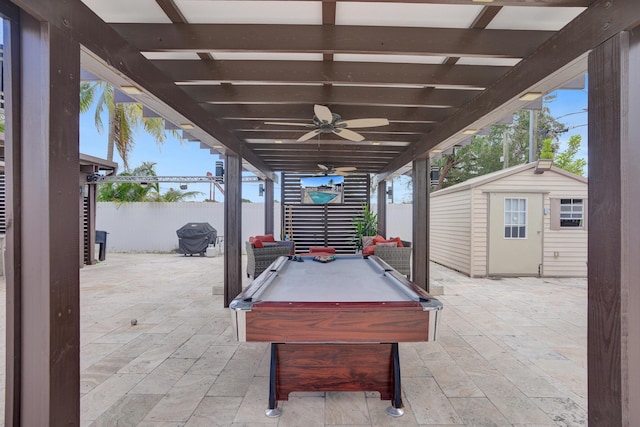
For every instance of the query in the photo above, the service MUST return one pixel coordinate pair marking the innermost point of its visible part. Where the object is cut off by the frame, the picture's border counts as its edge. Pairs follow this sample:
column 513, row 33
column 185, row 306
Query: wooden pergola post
column 614, row 233
column 421, row 223
column 268, row 207
column 232, row 228
column 382, row 208
column 43, row 304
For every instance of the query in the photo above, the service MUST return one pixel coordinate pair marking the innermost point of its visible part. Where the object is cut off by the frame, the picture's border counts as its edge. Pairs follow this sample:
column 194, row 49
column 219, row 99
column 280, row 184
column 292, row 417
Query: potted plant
column 366, row 224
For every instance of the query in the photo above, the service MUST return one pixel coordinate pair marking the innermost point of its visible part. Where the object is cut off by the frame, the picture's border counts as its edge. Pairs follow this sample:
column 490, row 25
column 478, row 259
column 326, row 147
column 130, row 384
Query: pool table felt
column 347, row 279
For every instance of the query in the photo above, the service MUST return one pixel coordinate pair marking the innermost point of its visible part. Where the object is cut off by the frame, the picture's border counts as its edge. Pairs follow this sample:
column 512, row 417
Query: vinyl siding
column 459, row 223
column 479, row 236
column 450, row 230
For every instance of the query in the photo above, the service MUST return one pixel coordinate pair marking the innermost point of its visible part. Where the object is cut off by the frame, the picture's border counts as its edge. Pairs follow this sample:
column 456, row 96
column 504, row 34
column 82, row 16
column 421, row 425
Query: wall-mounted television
column 322, row 190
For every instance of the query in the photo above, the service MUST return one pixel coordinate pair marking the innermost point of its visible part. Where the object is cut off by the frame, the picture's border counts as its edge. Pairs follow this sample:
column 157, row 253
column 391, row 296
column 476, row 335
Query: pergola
column 439, row 70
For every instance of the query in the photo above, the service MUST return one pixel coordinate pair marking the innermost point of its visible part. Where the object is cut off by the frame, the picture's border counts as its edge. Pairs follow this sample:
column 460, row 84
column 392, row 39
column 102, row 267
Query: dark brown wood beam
column 283, row 94
column 614, row 233
column 365, row 157
column 337, row 149
column 574, row 40
column 473, row 76
column 76, row 19
column 392, row 127
column 268, row 206
column 13, row 192
column 48, row 211
column 280, row 112
column 420, row 244
column 332, row 39
column 369, row 136
column 232, row 228
column 172, row 11
column 536, row 3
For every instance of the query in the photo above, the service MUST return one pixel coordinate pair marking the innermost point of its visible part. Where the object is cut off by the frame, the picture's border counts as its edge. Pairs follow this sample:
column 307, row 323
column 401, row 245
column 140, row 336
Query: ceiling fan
column 330, row 170
column 324, row 121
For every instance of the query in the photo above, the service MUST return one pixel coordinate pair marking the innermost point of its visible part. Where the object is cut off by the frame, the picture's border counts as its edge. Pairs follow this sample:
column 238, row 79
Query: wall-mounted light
column 261, row 190
column 543, row 165
column 530, row 96
column 131, row 90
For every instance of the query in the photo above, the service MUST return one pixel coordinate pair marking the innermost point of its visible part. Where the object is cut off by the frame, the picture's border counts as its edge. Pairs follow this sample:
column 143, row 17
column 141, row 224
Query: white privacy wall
column 151, row 227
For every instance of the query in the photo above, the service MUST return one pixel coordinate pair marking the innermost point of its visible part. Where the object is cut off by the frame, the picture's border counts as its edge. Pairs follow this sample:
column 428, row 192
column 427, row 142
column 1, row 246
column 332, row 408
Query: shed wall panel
column 450, row 230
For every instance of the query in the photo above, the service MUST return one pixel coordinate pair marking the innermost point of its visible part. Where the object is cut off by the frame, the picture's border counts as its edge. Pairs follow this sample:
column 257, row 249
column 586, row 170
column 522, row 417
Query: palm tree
column 124, row 118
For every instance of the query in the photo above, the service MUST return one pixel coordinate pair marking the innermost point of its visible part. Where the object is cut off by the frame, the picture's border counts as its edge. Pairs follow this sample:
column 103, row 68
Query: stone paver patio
column 510, row 352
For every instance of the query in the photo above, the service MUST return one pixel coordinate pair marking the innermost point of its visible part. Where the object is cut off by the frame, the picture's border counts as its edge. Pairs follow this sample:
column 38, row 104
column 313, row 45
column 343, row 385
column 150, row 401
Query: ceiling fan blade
column 323, row 113
column 309, row 135
column 307, row 125
column 348, row 134
column 346, row 169
column 341, row 173
column 323, row 167
column 362, row 123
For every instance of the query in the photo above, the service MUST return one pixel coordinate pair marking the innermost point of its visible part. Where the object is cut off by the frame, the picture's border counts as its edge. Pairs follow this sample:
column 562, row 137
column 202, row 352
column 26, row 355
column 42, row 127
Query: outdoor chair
column 258, row 259
column 398, row 258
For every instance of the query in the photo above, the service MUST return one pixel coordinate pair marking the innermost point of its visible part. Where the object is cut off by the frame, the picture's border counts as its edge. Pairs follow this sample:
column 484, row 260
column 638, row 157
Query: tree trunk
column 451, row 160
column 111, row 136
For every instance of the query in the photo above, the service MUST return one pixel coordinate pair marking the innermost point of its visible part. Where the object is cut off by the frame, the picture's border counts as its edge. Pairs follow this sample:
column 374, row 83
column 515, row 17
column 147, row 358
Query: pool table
column 334, row 326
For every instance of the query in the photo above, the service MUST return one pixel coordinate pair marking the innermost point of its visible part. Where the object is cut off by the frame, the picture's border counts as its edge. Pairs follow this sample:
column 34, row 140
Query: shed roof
column 502, row 174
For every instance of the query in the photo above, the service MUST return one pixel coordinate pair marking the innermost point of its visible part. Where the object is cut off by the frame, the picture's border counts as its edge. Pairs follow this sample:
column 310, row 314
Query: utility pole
column 505, row 149
column 533, row 152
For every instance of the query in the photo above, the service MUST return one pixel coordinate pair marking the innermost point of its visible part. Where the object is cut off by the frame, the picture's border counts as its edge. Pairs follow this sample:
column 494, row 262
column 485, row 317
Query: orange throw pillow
column 369, row 250
column 397, row 239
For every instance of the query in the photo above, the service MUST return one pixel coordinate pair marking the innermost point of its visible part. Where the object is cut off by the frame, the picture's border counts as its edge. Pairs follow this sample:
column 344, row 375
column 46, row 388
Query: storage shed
column 513, row 222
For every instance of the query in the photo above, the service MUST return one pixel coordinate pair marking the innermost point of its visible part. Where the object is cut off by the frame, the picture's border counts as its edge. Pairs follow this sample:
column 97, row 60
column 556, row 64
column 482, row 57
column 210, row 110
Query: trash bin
column 195, row 237
column 101, row 239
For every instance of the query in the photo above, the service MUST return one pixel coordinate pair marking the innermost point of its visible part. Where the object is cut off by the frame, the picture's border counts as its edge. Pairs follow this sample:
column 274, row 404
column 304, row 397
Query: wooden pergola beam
column 332, row 39
column 273, row 94
column 304, row 111
column 472, row 76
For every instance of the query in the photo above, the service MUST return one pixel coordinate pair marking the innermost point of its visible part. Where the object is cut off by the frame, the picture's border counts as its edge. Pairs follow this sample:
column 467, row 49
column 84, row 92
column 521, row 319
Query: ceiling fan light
column 131, row 90
column 530, row 96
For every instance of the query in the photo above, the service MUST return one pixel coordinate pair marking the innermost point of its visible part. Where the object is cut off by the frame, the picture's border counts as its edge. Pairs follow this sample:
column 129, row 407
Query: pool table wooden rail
column 353, row 322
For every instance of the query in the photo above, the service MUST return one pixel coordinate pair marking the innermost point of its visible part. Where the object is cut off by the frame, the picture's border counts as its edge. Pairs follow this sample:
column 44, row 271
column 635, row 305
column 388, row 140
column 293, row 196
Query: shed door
column 515, row 233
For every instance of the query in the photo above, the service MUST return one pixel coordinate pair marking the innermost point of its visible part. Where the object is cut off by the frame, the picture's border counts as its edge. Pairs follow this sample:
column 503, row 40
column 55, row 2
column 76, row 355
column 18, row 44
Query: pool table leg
column 273, row 410
column 395, row 410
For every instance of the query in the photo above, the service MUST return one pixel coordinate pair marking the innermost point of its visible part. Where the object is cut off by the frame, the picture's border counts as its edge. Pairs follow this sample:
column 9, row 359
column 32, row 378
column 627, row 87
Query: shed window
column 571, row 213
column 515, row 218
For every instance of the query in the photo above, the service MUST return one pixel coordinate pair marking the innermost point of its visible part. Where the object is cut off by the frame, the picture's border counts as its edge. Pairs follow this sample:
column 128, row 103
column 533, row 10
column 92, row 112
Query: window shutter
column 555, row 214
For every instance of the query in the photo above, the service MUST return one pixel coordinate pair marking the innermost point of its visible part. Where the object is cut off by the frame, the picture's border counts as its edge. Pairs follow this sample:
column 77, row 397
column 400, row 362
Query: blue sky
column 177, row 157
